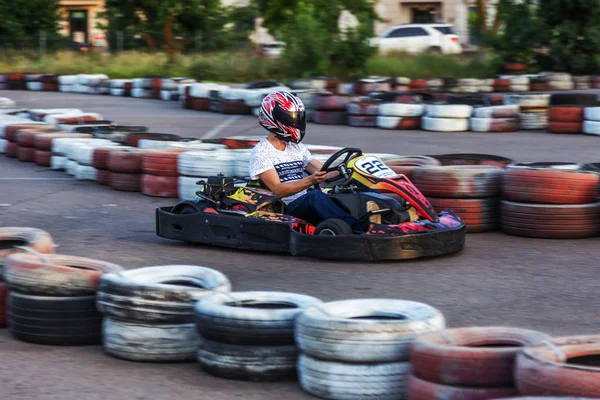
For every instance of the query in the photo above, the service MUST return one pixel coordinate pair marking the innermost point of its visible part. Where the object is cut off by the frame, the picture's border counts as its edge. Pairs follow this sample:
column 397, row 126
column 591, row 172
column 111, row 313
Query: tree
column 24, row 20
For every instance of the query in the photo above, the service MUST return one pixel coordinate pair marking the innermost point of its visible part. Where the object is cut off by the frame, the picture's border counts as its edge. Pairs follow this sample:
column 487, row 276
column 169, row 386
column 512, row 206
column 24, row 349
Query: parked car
column 419, row 38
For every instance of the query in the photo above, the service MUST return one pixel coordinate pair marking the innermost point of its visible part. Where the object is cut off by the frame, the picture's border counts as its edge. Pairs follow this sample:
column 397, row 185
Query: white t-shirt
column 289, row 163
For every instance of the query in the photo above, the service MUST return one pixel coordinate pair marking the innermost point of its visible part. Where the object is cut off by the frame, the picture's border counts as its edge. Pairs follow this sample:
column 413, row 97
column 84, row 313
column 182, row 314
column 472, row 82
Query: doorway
column 78, row 26
column 423, row 15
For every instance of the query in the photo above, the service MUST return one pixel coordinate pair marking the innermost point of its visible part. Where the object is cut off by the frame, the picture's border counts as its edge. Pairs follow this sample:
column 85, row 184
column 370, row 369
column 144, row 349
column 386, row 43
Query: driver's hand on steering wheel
column 318, row 177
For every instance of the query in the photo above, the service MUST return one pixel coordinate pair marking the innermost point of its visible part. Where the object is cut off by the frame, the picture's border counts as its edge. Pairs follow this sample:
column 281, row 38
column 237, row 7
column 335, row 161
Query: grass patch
column 236, row 67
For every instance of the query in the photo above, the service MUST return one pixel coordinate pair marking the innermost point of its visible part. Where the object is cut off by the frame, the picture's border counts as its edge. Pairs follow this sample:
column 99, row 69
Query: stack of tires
column 330, row 109
column 400, row 116
column 596, row 82
column 100, row 163
column 121, row 87
column 434, row 85
column 551, row 200
column 26, row 141
column 582, row 82
column 495, row 119
column 565, row 366
column 362, row 113
column 559, row 81
column 155, row 88
column 501, row 85
column 533, row 109
column 9, row 131
column 447, row 118
column 364, row 87
column 124, row 168
column 33, row 82
column 407, row 165
column 358, row 349
column 194, row 166
column 199, row 95
column 10, row 239
column 565, row 119
column 539, row 84
column 467, row 363
column 591, row 123
column 53, row 298
column 232, row 101
column 16, row 81
column 471, row 191
column 474, row 86
column 3, row 82
column 141, row 88
column 79, row 155
column 160, row 174
column 66, row 83
column 91, row 84
column 518, row 83
column 169, row 90
column 43, row 154
column 250, row 335
column 149, row 312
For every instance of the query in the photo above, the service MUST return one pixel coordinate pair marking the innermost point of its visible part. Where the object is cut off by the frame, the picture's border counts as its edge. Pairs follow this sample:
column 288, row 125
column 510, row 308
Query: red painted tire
column 3, row 299
column 44, row 142
column 161, row 162
column 330, row 102
column 540, row 372
column 566, row 114
column 125, row 182
column 103, row 177
column 42, row 157
column 362, row 120
column 565, row 127
column 11, row 150
column 550, row 221
column 474, row 357
column 501, row 82
column 473, row 159
column 27, row 137
column 329, row 117
column 237, row 107
column 100, row 157
column 25, row 154
column 480, row 215
column 200, row 104
column 240, row 142
column 501, row 89
column 160, row 186
column 128, row 160
column 364, row 87
column 551, row 183
column 539, row 87
column 55, row 275
column 418, row 389
column 11, row 132
column 418, row 84
column 515, row 67
column 460, row 181
column 407, row 165
column 35, row 239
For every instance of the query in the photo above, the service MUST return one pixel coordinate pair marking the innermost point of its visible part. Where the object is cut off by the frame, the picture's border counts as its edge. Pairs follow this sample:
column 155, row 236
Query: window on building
column 78, row 25
column 423, row 15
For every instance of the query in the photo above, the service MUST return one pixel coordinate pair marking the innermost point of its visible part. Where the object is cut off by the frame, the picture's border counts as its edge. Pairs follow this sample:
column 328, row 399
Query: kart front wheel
column 333, row 227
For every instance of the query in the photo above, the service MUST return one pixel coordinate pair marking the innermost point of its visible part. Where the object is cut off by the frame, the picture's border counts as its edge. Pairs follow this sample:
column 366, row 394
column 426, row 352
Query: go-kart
column 403, row 225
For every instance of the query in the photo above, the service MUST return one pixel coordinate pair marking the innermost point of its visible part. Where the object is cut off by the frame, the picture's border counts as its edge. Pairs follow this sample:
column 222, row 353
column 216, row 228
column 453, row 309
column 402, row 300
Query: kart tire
column 103, row 177
column 398, row 123
column 3, row 304
column 539, row 371
column 591, row 127
column 329, row 117
column 125, row 182
column 480, row 215
column 401, row 110
column 333, row 227
column 369, row 121
column 552, row 183
column 572, row 99
column 58, row 321
column 342, row 331
column 159, row 295
column 566, row 114
column 330, row 102
column 509, row 111
column 42, row 157
column 471, row 356
column 565, row 127
column 55, row 275
column 494, row 124
column 419, row 389
column 251, row 318
column 25, row 154
column 160, row 186
column 362, row 108
column 473, row 159
column 407, row 165
column 459, row 181
column 126, row 160
column 11, row 150
column 248, row 363
column 454, row 111
column 136, row 341
column 548, row 221
column 591, row 113
column 44, row 142
column 344, row 381
column 445, row 124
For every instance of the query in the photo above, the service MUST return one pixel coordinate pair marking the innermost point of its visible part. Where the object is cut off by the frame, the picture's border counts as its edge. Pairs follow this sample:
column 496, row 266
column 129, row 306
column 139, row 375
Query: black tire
column 63, row 321
column 434, row 50
column 248, row 363
column 186, row 208
column 580, row 99
column 262, row 84
column 333, row 227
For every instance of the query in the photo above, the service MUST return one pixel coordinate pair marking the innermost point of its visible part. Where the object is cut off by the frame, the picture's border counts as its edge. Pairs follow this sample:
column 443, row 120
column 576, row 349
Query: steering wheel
column 349, row 152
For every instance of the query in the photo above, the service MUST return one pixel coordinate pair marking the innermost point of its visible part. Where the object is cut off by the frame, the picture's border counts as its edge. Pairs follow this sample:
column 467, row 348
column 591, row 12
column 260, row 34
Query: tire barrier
column 591, row 123
column 3, row 304
column 32, row 238
column 447, row 118
column 407, row 165
column 250, row 335
column 533, row 109
column 565, row 119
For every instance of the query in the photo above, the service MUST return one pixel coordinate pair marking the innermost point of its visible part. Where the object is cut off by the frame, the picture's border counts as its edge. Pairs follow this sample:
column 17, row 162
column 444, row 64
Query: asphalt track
column 548, row 285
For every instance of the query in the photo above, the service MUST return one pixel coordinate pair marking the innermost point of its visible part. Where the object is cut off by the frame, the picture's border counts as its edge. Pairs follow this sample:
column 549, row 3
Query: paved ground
column 549, row 285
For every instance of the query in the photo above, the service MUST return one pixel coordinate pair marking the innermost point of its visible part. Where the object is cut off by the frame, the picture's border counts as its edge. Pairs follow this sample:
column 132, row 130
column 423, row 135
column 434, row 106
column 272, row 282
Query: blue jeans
column 315, row 206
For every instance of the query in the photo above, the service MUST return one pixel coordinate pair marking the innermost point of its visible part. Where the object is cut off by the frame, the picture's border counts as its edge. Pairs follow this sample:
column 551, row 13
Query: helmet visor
column 293, row 119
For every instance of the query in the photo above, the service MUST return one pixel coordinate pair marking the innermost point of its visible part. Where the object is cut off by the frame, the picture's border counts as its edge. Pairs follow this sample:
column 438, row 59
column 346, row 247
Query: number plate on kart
column 372, row 165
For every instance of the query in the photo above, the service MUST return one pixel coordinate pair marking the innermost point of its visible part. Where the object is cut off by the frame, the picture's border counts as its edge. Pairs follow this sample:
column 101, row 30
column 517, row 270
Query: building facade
column 80, row 19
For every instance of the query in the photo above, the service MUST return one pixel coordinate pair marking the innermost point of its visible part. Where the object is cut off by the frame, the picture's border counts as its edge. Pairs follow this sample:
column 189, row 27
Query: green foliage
column 23, row 20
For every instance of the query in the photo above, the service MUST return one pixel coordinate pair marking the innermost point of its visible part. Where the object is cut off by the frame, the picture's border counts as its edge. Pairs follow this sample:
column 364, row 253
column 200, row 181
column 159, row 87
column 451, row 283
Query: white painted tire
column 188, row 187
column 169, row 95
column 58, row 162
column 509, row 111
column 390, row 122
column 435, row 83
column 494, row 124
column 331, row 331
column 449, row 111
column 466, row 89
column 528, row 100
column 403, row 81
column 142, row 83
column 557, row 76
column 445, row 124
column 206, row 163
column 519, row 80
column 67, row 79
column 561, row 85
column 149, row 294
column 341, row 381
column 71, row 167
column 345, row 88
column 534, row 120
column 3, row 143
column 401, row 110
column 151, row 343
column 117, row 92
column 141, row 93
column 202, row 90
column 241, row 163
column 591, row 113
column 119, row 83
column 85, row 173
column 34, row 86
column 591, row 127
column 518, row 88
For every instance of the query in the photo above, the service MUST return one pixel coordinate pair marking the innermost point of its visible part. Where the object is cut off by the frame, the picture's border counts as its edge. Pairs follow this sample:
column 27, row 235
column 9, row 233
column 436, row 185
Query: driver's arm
column 271, row 180
column 316, row 165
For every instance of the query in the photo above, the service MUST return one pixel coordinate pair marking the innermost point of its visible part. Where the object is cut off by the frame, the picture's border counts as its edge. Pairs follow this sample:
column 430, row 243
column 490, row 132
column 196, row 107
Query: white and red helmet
column 283, row 114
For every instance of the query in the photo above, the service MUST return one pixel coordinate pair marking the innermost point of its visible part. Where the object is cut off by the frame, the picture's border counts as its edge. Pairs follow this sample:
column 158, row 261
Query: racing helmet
column 283, row 114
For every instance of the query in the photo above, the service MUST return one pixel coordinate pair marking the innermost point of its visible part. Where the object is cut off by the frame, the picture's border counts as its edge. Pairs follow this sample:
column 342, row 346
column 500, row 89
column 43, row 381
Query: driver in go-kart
column 280, row 159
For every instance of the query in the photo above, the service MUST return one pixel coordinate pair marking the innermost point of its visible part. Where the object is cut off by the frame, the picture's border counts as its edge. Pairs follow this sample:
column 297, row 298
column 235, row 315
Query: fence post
column 42, row 42
column 120, row 42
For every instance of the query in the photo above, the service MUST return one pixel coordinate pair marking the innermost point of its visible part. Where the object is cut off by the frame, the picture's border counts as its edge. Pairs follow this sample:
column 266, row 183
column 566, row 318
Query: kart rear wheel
column 186, row 208
column 333, row 227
